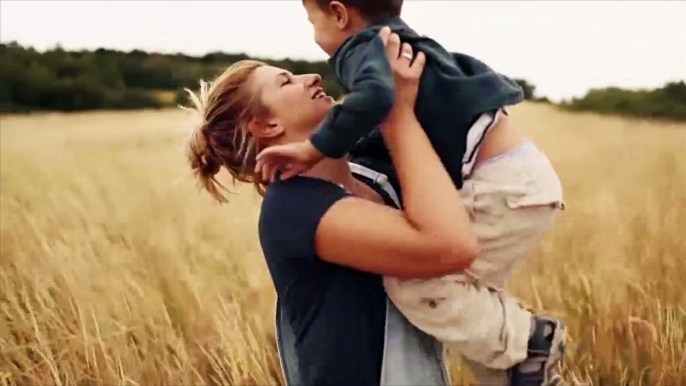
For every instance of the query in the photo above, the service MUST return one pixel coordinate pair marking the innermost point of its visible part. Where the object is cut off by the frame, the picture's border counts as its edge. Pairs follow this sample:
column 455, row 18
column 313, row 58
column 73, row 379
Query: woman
column 334, row 321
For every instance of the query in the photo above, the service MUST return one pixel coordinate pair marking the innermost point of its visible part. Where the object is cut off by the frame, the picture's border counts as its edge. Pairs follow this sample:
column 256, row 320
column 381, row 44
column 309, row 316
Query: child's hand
column 292, row 159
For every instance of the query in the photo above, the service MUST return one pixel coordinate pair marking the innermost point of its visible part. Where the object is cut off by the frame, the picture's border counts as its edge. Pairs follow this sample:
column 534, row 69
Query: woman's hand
column 407, row 70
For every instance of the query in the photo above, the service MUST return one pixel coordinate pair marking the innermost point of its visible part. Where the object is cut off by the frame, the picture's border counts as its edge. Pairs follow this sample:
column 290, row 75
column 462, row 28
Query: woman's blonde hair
column 220, row 136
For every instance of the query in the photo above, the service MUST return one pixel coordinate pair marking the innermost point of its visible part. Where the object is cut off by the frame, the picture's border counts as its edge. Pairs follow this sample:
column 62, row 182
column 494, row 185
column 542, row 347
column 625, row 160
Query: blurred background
column 75, row 55
column 114, row 269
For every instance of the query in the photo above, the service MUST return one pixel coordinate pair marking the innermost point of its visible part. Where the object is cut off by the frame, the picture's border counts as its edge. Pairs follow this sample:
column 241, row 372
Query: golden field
column 115, row 270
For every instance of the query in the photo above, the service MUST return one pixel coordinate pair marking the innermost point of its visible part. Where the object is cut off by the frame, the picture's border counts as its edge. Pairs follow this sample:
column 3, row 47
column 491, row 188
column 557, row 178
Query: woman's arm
column 433, row 236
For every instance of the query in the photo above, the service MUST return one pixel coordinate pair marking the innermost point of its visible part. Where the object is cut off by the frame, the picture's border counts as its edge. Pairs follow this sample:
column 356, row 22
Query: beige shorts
column 513, row 200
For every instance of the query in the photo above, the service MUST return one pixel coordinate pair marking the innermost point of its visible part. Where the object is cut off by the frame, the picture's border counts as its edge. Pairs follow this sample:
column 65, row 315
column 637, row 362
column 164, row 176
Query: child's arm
column 363, row 68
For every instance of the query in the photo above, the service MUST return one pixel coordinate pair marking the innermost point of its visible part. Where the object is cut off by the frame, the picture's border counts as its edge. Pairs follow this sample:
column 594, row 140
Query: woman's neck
column 338, row 172
column 334, row 170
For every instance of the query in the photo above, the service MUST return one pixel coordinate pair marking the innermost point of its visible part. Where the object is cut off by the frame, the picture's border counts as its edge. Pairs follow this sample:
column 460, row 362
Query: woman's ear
column 340, row 12
column 265, row 129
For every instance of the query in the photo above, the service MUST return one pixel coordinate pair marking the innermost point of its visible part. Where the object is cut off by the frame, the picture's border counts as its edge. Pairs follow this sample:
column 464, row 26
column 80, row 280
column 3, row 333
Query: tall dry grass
column 114, row 270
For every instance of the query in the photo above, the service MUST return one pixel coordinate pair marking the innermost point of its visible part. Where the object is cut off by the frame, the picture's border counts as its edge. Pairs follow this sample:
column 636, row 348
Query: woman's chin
column 326, row 102
column 328, row 99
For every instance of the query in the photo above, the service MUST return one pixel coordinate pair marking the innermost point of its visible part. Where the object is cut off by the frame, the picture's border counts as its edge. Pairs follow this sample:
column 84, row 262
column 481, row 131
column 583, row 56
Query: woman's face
column 295, row 102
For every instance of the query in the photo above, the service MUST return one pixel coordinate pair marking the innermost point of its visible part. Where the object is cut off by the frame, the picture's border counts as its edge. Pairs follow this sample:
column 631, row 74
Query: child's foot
column 546, row 348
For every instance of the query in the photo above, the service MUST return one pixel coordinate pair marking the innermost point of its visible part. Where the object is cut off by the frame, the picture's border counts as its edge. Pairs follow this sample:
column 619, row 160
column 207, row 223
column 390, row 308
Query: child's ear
column 340, row 12
column 265, row 128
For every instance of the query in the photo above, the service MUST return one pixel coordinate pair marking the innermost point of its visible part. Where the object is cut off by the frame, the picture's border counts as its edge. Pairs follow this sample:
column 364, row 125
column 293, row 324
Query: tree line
column 667, row 102
column 108, row 79
column 61, row 80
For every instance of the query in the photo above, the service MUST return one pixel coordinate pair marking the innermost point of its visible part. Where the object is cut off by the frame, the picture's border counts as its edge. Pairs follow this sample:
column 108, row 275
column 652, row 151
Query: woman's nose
column 314, row 80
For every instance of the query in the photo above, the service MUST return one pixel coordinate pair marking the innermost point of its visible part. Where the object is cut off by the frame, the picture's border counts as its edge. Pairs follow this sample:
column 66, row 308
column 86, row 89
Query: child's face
column 330, row 29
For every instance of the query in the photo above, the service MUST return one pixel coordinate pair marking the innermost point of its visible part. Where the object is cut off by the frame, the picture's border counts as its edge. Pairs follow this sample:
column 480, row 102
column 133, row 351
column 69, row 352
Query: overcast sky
column 563, row 47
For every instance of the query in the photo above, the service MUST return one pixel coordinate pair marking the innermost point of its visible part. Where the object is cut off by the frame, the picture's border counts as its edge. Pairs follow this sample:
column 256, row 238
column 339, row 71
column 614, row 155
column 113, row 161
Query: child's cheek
column 322, row 44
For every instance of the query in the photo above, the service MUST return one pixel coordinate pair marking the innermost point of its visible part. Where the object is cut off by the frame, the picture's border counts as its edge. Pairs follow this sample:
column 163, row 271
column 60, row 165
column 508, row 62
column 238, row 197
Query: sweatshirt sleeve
column 363, row 68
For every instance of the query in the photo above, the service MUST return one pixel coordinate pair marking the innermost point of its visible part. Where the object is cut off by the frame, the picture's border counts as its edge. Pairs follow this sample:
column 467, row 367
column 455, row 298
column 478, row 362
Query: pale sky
column 563, row 47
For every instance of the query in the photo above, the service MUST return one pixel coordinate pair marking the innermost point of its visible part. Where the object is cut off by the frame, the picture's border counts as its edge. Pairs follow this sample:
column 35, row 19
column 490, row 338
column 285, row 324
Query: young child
column 513, row 199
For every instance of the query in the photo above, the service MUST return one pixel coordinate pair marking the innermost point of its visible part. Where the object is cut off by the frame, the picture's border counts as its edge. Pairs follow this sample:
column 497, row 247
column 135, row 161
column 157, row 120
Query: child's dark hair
column 372, row 10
